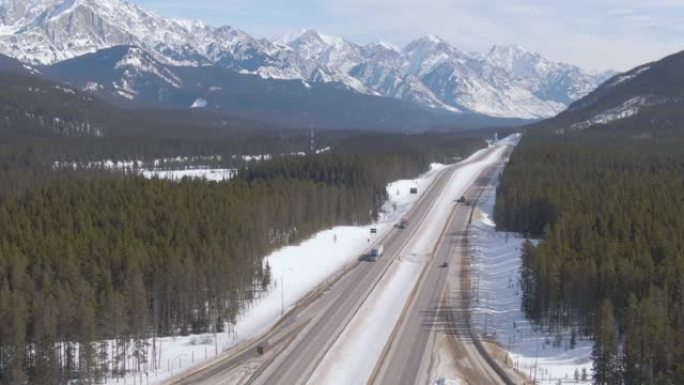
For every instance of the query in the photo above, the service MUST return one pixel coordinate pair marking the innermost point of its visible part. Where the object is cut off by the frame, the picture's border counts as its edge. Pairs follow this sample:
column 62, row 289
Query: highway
column 295, row 346
column 408, row 355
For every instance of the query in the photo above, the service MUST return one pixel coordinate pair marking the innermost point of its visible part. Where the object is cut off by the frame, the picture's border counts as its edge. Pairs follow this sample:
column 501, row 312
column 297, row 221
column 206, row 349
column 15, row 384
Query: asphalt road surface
column 294, row 347
column 408, row 354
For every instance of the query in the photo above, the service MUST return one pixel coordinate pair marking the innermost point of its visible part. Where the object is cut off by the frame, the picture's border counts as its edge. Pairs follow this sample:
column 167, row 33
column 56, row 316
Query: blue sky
column 597, row 35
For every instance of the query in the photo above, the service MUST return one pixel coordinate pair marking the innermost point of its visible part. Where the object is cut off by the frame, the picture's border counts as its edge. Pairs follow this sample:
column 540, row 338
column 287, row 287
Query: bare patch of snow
column 253, row 158
column 199, row 103
column 629, row 75
column 92, row 87
column 210, row 174
column 176, row 163
column 65, row 90
column 625, row 110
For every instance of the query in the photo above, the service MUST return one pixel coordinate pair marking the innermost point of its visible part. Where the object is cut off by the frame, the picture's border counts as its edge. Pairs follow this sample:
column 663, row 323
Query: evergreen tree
column 605, row 352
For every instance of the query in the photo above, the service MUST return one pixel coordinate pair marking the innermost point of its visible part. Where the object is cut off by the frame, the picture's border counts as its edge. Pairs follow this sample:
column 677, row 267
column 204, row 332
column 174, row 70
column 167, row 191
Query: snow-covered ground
column 446, row 366
column 354, row 355
column 497, row 307
column 296, row 270
column 177, row 162
column 625, row 110
column 208, row 174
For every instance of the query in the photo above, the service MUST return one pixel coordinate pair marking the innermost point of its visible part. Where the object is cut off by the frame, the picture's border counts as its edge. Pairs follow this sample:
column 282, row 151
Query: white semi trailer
column 376, row 252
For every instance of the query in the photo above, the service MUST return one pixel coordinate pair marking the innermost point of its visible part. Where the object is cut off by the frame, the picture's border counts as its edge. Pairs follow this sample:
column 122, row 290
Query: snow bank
column 497, row 307
column 446, row 372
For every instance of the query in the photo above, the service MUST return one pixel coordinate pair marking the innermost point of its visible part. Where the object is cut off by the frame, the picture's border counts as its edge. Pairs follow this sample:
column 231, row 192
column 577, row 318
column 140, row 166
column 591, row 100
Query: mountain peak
column 429, row 40
column 383, row 46
column 517, row 60
column 310, row 35
column 434, row 39
column 387, row 45
column 511, row 52
column 427, row 43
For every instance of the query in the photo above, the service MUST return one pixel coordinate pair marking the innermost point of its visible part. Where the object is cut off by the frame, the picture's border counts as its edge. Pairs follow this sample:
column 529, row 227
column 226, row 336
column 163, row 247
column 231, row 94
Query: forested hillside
column 609, row 208
column 88, row 256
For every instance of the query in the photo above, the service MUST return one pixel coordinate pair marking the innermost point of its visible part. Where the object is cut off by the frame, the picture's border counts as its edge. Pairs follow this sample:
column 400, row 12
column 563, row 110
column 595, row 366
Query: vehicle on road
column 444, row 264
column 402, row 223
column 376, row 252
column 462, row 200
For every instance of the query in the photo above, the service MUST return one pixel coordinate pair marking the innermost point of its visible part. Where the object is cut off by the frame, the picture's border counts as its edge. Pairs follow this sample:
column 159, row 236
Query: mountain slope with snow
column 647, row 98
column 507, row 82
column 128, row 76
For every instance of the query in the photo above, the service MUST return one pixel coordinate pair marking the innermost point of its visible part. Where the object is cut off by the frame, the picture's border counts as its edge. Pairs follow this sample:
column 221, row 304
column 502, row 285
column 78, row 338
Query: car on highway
column 402, row 223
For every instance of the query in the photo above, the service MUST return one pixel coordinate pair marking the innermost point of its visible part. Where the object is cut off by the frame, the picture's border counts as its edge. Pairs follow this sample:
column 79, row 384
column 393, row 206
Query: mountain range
column 645, row 100
column 158, row 60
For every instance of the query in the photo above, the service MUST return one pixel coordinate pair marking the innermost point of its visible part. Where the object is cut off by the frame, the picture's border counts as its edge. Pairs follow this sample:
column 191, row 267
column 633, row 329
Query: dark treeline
column 365, row 175
column 29, row 162
column 87, row 256
column 610, row 211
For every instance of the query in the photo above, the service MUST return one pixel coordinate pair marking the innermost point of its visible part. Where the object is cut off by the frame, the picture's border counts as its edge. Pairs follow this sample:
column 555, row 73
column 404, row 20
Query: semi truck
column 376, row 252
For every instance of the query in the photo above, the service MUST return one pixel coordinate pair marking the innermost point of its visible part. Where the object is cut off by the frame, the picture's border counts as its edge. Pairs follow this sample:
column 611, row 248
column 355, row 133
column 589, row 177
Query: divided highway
column 295, row 346
column 409, row 353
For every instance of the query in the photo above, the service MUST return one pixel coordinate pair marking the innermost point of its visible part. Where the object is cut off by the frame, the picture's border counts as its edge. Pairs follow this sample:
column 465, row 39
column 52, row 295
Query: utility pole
column 486, row 310
column 216, row 333
column 312, row 149
column 282, row 291
column 536, row 357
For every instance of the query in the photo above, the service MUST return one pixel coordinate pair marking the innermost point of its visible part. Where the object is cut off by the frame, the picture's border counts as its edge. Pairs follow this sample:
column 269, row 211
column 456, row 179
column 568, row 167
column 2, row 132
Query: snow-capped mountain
column 507, row 82
column 125, row 72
